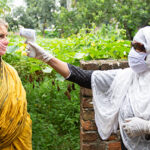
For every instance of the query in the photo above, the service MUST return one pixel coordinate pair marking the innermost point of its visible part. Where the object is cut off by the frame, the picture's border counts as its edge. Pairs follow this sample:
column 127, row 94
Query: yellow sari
column 15, row 122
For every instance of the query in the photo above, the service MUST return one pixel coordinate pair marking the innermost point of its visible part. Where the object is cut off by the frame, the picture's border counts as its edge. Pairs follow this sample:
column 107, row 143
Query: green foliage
column 4, row 8
column 55, row 118
column 24, row 18
column 63, row 3
column 51, row 33
column 83, row 15
column 106, row 43
column 95, row 11
column 128, row 14
column 67, row 22
column 13, row 24
column 53, row 104
column 20, row 17
column 42, row 12
column 133, row 14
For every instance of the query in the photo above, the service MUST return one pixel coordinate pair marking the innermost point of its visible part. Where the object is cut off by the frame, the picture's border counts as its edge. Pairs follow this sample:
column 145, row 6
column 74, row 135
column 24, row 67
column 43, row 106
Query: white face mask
column 137, row 61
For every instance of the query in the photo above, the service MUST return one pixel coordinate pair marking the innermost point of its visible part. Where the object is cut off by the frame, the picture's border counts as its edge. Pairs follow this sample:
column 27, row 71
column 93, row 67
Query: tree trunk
column 44, row 27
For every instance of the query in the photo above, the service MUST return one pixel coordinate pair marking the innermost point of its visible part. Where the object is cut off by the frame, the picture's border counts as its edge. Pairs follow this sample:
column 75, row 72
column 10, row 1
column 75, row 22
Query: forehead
column 3, row 29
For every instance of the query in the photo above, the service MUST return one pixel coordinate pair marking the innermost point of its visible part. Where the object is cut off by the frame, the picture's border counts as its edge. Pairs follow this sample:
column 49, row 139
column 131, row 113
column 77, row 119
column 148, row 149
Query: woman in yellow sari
column 15, row 122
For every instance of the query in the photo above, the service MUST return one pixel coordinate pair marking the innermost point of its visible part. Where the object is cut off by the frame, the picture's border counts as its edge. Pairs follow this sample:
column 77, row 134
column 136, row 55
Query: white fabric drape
column 127, row 94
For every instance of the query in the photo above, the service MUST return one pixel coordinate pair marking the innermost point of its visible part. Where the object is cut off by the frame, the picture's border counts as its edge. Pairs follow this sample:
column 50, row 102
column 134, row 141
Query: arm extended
column 72, row 73
column 69, row 72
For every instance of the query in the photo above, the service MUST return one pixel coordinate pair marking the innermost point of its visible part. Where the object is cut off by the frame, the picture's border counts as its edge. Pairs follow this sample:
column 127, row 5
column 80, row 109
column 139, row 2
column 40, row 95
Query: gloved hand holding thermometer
column 30, row 36
column 34, row 50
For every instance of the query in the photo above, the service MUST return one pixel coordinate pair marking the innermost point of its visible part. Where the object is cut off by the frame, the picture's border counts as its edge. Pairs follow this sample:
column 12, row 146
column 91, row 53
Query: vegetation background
column 72, row 30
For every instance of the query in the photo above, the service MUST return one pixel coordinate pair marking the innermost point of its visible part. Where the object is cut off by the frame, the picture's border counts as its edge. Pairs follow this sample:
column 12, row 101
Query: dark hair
column 138, row 46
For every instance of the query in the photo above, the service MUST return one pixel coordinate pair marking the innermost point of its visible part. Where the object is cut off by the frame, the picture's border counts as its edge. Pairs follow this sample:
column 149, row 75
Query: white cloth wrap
column 143, row 36
column 117, row 95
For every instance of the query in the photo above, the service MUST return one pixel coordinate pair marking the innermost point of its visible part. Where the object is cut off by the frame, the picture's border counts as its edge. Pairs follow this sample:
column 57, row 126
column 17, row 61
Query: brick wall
column 89, row 138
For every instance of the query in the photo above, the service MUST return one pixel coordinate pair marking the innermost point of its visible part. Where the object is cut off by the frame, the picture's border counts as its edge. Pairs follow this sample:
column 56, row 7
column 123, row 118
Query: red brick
column 106, row 66
column 89, row 147
column 89, row 65
column 113, row 137
column 101, row 146
column 123, row 64
column 115, row 65
column 88, row 136
column 88, row 125
column 88, row 115
column 114, row 146
column 103, row 64
column 85, row 92
column 86, row 102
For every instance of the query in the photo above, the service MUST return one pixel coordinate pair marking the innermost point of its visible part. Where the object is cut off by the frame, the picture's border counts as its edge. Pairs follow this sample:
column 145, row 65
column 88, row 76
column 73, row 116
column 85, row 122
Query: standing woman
column 15, row 122
column 120, row 97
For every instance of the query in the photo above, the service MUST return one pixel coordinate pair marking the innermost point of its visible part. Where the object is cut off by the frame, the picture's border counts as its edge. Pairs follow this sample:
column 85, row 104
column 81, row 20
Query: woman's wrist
column 60, row 66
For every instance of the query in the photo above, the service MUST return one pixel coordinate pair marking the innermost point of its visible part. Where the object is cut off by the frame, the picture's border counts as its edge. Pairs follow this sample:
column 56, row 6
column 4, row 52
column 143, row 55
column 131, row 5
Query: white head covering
column 143, row 36
column 137, row 60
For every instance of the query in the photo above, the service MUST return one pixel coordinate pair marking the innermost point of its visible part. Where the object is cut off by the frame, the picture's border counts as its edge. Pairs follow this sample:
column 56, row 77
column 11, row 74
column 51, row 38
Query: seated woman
column 15, row 122
column 120, row 96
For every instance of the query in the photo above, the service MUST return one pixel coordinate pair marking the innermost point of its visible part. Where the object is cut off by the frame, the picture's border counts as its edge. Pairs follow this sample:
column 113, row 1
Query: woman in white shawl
column 120, row 96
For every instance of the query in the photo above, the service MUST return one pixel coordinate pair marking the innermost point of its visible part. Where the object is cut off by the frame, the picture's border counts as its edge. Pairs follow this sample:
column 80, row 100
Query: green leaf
column 59, row 77
column 11, row 49
column 47, row 70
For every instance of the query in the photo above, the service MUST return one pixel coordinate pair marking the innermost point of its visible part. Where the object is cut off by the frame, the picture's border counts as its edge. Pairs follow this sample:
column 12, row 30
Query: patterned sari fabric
column 15, row 122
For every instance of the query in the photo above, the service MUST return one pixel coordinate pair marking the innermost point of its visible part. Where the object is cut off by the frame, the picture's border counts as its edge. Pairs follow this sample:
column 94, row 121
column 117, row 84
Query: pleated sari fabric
column 15, row 122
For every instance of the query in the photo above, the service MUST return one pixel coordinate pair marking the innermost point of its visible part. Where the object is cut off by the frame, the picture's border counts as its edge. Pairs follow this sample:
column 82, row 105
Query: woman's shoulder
column 10, row 68
column 107, row 72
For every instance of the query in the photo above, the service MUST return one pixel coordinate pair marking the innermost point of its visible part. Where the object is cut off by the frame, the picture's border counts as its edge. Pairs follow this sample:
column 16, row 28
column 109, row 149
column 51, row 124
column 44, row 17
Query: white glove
column 35, row 51
column 136, row 126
